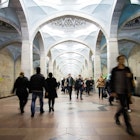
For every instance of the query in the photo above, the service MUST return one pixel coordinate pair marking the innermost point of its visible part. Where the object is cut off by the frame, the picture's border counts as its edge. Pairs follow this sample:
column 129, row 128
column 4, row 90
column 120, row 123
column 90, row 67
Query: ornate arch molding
column 39, row 38
column 10, row 42
column 71, row 52
column 11, row 23
column 72, row 14
column 67, row 40
column 118, row 7
column 67, row 59
column 131, row 22
column 130, row 40
column 18, row 6
column 124, row 38
column 134, row 13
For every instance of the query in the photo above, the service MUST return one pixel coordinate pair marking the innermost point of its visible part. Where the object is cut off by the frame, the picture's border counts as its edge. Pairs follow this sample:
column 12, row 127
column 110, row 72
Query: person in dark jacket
column 37, row 83
column 21, row 86
column 50, row 86
column 121, row 85
column 79, row 86
column 70, row 83
column 88, row 86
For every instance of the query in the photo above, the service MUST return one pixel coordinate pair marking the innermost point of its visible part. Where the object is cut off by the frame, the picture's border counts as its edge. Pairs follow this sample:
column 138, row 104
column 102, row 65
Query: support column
column 27, row 58
column 112, row 53
column 90, row 69
column 50, row 65
column 43, row 59
column 43, row 64
column 97, row 67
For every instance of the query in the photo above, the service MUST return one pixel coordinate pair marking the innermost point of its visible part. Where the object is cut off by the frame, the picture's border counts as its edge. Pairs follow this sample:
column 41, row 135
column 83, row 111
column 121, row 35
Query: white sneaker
column 129, row 110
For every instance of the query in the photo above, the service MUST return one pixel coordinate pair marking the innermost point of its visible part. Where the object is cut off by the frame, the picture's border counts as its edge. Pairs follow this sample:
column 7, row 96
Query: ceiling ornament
column 68, row 23
column 6, row 26
column 133, row 23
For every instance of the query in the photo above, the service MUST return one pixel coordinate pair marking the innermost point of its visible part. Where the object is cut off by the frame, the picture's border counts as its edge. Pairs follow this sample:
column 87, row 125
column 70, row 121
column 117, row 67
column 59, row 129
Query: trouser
column 101, row 91
column 88, row 89
column 70, row 91
column 22, row 102
column 51, row 102
column 123, row 109
column 34, row 97
column 81, row 92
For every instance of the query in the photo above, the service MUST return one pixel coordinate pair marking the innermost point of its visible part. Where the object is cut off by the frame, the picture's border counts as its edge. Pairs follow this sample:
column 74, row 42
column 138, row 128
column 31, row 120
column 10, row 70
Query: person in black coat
column 70, row 83
column 37, row 85
column 121, row 85
column 50, row 86
column 21, row 86
column 79, row 86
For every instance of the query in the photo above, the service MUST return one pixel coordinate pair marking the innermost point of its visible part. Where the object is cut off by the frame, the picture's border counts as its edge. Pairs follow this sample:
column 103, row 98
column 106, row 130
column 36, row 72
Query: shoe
column 22, row 111
column 50, row 109
column 32, row 115
column 41, row 112
column 81, row 98
column 129, row 110
column 130, row 131
column 111, row 104
column 117, row 120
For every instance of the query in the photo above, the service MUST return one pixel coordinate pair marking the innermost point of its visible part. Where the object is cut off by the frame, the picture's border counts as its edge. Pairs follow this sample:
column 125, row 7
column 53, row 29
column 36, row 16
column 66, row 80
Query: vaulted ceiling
column 70, row 29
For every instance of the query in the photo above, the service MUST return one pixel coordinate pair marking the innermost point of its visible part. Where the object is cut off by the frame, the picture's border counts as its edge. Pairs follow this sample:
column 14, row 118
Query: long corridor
column 88, row 119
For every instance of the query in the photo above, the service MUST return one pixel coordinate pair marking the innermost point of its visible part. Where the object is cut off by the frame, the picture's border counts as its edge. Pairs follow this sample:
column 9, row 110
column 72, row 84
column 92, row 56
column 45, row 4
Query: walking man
column 121, row 85
column 70, row 83
column 37, row 83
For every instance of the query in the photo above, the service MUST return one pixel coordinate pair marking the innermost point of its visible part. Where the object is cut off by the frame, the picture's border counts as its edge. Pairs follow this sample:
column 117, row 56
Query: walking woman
column 50, row 86
column 101, row 86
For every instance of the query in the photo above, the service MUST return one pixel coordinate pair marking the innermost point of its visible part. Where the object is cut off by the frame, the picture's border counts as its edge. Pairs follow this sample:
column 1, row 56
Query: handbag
column 46, row 95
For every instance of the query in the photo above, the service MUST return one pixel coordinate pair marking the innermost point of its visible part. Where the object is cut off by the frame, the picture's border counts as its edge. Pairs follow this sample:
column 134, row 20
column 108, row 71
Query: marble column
column 90, row 67
column 112, row 53
column 97, row 67
column 43, row 64
column 27, row 58
column 51, row 65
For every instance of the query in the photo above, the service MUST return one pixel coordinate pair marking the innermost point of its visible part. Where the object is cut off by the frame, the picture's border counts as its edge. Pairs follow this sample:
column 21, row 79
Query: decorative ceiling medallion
column 6, row 26
column 69, row 23
column 133, row 23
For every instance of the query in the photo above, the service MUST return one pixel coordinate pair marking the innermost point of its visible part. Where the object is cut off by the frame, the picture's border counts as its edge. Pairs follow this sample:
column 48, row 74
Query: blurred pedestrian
column 70, row 83
column 50, row 86
column 21, row 86
column 37, row 83
column 121, row 85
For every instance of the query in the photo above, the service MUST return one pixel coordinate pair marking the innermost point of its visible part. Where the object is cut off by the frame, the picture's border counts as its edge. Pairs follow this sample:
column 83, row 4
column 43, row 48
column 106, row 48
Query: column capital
column 112, row 39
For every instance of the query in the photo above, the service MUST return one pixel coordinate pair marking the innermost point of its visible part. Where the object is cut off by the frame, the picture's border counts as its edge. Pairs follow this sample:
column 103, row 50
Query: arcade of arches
column 67, row 36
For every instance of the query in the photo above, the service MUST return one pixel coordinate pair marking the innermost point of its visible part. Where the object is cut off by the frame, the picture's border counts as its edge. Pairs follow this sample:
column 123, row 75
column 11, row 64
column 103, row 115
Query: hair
column 38, row 69
column 50, row 75
column 120, row 56
column 21, row 74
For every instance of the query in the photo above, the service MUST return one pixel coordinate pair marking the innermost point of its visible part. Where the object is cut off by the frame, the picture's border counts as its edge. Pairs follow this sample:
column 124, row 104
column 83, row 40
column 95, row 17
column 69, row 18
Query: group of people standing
column 36, row 85
column 69, row 84
column 79, row 85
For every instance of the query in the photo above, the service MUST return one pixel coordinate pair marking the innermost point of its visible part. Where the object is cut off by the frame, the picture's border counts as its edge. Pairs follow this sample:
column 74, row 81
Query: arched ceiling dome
column 70, row 29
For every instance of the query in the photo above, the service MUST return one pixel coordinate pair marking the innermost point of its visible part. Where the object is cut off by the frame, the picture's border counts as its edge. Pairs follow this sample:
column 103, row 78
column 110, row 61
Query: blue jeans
column 34, row 97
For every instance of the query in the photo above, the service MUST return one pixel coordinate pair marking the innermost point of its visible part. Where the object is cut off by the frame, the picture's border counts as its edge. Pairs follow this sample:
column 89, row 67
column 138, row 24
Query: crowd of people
column 118, row 85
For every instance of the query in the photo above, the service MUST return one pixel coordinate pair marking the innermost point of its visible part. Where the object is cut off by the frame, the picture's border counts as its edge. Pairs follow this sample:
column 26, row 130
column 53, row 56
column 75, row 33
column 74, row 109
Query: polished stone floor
column 88, row 119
